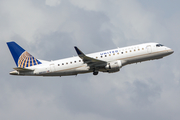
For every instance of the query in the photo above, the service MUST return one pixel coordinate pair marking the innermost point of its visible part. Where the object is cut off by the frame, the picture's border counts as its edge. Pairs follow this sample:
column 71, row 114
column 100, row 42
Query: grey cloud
column 145, row 94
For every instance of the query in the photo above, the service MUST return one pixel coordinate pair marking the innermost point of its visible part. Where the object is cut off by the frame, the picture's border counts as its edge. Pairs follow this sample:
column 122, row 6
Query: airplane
column 108, row 61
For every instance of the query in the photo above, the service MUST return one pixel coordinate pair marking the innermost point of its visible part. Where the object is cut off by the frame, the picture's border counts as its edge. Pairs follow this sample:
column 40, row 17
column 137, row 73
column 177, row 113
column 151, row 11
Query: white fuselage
column 75, row 65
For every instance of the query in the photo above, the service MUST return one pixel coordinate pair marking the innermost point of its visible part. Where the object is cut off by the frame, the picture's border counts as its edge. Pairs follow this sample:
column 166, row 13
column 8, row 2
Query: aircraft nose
column 170, row 51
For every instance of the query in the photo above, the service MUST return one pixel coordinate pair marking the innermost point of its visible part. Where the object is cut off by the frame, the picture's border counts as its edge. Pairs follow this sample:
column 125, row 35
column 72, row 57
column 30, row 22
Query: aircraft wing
column 89, row 60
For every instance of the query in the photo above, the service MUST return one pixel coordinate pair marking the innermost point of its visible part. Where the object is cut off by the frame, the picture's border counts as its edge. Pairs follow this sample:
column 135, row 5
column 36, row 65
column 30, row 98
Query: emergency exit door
column 52, row 68
column 149, row 49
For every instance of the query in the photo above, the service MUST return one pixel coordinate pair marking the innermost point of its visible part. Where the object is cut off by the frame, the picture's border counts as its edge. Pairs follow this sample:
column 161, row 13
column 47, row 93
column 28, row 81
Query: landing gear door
column 149, row 49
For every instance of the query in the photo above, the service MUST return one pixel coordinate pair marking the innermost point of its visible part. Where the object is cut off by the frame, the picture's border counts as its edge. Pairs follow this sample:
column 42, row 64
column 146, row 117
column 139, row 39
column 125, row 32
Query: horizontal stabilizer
column 22, row 69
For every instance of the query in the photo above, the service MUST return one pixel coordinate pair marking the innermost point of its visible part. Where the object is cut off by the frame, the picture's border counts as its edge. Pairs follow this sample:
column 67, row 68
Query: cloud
column 22, row 19
column 126, row 23
column 92, row 5
column 53, row 2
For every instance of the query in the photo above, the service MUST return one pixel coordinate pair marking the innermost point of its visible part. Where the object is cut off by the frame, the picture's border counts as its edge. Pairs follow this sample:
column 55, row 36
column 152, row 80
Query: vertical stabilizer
column 21, row 57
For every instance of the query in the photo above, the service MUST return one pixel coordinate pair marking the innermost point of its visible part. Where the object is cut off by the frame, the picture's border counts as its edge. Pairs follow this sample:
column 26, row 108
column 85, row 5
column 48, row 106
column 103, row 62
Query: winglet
column 88, row 59
column 79, row 52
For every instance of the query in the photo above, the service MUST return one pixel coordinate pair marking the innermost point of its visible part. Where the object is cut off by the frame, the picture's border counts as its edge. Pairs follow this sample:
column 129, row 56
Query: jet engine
column 113, row 66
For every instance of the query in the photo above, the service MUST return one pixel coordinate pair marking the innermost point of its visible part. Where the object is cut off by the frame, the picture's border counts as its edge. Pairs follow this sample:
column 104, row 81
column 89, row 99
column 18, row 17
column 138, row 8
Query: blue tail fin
column 21, row 57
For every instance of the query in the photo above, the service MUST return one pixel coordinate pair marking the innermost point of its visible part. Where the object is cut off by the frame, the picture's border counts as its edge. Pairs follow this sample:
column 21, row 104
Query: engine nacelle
column 113, row 66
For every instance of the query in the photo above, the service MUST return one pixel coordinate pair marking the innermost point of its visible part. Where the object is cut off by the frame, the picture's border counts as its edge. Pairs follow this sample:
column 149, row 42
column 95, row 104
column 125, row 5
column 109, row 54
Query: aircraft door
column 149, row 49
column 52, row 68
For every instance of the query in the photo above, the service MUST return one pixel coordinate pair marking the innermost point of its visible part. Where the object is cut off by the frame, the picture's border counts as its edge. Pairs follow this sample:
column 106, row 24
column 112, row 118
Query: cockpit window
column 159, row 45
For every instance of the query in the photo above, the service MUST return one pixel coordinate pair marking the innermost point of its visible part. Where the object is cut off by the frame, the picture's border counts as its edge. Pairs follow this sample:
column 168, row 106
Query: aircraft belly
column 72, row 71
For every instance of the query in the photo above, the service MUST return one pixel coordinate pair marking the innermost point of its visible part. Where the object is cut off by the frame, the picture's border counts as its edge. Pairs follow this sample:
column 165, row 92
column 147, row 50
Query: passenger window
column 96, row 57
column 114, row 54
column 101, row 56
column 62, row 63
column 66, row 63
column 139, row 49
column 79, row 60
column 121, row 52
column 130, row 50
column 109, row 54
column 126, row 51
column 142, row 48
column 105, row 55
column 74, row 61
column 58, row 64
column 118, row 53
column 134, row 50
column 71, row 62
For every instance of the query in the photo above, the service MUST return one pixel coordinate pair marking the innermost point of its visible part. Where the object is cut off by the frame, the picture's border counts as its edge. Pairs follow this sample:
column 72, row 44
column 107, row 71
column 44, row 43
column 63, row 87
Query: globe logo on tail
column 27, row 60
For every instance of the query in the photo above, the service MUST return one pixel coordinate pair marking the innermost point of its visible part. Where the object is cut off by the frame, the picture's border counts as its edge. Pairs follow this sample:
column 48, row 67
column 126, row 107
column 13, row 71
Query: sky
column 49, row 30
